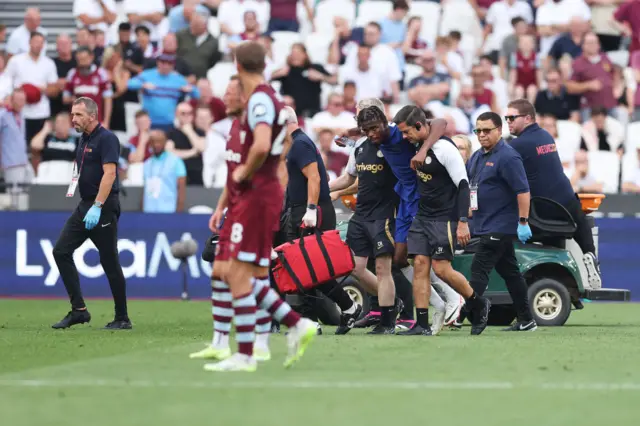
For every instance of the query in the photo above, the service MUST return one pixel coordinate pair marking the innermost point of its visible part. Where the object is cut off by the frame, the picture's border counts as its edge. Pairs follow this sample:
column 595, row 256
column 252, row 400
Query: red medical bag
column 306, row 262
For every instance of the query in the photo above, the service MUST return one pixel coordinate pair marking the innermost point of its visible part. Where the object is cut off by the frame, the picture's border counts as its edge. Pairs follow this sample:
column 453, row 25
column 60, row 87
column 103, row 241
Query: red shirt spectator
column 593, row 73
column 93, row 84
column 218, row 110
column 141, row 140
column 483, row 96
column 629, row 13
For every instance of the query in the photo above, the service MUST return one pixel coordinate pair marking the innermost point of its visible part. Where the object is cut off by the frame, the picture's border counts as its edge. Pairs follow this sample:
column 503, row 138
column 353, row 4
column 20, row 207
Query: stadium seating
column 54, row 173
column 219, row 77
column 604, row 166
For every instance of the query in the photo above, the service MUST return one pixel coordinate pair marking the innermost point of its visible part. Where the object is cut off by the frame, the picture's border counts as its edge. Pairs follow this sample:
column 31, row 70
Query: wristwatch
column 524, row 220
column 98, row 204
column 311, row 206
column 464, row 219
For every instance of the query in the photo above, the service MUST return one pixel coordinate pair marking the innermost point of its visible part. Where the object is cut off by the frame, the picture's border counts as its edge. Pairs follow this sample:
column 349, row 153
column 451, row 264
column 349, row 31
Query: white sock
column 436, row 301
column 444, row 290
column 220, row 340
column 407, row 271
column 262, row 341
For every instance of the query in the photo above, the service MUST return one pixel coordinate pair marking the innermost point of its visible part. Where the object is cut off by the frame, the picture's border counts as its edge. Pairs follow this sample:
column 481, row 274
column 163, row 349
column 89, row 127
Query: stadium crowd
column 164, row 65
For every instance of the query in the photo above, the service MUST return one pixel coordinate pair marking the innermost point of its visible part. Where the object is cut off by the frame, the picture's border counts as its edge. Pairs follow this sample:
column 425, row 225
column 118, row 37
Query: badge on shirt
column 473, row 190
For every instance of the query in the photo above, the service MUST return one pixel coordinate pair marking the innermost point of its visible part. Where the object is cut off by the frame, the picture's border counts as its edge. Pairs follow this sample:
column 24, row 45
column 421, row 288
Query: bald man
column 165, row 178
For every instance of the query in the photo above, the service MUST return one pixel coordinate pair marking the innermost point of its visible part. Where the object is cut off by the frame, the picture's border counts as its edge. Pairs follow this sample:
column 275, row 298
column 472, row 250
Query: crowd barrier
column 27, row 267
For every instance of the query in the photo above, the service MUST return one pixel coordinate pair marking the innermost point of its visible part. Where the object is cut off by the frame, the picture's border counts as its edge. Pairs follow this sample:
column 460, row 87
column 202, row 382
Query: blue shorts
column 407, row 210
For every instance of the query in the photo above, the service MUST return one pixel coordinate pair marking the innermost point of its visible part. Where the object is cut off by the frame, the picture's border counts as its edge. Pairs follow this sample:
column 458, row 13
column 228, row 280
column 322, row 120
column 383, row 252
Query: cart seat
column 555, row 223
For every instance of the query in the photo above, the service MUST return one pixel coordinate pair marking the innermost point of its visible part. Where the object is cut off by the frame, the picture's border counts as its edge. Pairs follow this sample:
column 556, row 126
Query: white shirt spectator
column 23, row 69
column 147, row 7
column 326, row 120
column 499, row 16
column 369, row 84
column 93, row 9
column 18, row 41
column 383, row 62
column 553, row 14
column 455, row 61
column 215, row 166
column 231, row 13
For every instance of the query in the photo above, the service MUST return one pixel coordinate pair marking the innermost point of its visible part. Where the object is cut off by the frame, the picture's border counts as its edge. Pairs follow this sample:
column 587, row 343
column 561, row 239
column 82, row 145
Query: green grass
column 585, row 373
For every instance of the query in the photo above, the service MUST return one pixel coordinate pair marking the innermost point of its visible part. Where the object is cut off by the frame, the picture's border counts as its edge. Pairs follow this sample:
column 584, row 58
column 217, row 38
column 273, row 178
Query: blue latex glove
column 92, row 217
column 524, row 232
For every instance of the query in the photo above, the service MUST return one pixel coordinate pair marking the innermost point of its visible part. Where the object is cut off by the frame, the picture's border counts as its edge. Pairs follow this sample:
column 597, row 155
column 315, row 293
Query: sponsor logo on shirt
column 373, row 168
column 233, row 157
column 546, row 149
column 425, row 177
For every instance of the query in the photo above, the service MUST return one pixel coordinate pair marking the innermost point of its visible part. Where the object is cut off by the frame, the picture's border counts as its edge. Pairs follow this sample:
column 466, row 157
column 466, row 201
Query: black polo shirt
column 560, row 106
column 302, row 153
column 542, row 165
column 500, row 177
column 96, row 149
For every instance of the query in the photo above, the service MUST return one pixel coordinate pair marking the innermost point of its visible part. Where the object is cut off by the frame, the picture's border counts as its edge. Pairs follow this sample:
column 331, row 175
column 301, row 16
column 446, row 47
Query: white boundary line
column 313, row 385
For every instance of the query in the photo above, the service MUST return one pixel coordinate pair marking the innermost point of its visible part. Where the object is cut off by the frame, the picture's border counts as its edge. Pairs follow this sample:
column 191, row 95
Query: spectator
column 203, row 119
column 207, row 100
column 3, row 36
column 526, row 76
column 143, row 41
column 554, row 18
column 302, row 80
column 603, row 23
column 19, row 39
column 510, row 45
column 180, row 16
column 198, row 48
column 368, row 82
column 164, row 178
column 284, row 15
column 131, row 54
column 566, row 150
column 95, row 14
column 87, row 80
column 571, row 43
column 448, row 61
column 349, row 96
column 13, row 154
column 581, row 179
column 602, row 133
column 87, row 38
column 464, row 146
column 481, row 8
column 34, row 69
column 64, row 62
column 482, row 94
column 592, row 76
column 118, row 76
column 266, row 40
column 466, row 101
column 187, row 143
column 413, row 45
column 162, row 88
column 334, row 118
column 140, row 141
column 170, row 46
column 631, row 178
column 635, row 65
column 334, row 161
column 498, row 25
column 556, row 101
column 100, row 46
column 385, row 65
column 628, row 14
column 251, row 30
column 623, row 96
column 291, row 103
column 393, row 31
column 430, row 85
column 344, row 39
column 56, row 143
column 150, row 14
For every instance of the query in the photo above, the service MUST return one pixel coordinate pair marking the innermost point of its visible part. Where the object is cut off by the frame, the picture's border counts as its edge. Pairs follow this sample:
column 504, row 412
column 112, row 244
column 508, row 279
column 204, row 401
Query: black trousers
column 497, row 251
column 583, row 235
column 326, row 222
column 105, row 238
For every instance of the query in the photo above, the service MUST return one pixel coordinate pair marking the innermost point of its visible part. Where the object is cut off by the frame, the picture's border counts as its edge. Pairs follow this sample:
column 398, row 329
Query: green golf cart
column 552, row 264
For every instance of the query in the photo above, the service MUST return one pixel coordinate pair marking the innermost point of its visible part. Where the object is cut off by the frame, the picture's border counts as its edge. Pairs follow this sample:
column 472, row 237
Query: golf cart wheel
column 358, row 295
column 550, row 302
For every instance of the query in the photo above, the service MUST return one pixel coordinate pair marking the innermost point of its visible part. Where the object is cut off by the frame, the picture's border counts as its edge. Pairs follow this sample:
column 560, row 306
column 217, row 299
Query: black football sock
column 375, row 306
column 386, row 316
column 422, row 317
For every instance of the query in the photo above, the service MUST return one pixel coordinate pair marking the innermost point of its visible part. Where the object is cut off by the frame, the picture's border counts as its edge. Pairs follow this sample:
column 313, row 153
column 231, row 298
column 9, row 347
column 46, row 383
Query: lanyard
column 75, row 163
column 162, row 167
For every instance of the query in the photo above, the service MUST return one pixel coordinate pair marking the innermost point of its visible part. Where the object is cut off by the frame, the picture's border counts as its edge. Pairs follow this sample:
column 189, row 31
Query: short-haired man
column 444, row 201
column 500, row 209
column 95, row 218
column 165, row 178
column 254, row 153
column 546, row 176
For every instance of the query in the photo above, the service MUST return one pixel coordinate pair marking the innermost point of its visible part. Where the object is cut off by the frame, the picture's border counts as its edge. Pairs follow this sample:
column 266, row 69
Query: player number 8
column 236, row 233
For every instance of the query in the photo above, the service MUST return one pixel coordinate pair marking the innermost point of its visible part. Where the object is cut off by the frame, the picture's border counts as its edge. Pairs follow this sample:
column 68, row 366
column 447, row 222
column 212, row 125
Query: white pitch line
column 98, row 383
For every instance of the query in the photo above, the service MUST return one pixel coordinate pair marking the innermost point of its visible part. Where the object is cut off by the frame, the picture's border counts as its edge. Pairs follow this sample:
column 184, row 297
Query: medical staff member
column 165, row 178
column 310, row 206
column 95, row 218
column 500, row 208
column 546, row 176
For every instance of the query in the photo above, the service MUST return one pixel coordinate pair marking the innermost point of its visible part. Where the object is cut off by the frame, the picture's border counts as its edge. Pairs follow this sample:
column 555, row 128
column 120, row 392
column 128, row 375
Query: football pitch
column 585, row 373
